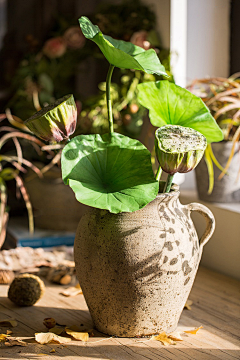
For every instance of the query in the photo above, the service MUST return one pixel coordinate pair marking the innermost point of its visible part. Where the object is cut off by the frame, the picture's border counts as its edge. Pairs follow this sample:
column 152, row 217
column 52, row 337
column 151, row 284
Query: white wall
column 200, row 44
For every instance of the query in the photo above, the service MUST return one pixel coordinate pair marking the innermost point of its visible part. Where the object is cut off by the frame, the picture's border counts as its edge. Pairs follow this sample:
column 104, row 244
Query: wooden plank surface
column 216, row 306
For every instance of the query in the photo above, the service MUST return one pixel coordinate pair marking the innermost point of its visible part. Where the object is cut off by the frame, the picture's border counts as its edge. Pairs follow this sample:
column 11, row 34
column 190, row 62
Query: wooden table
column 216, row 306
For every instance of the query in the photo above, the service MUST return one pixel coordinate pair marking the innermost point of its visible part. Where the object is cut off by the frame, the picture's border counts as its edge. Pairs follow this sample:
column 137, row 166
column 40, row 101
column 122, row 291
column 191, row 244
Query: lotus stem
column 108, row 95
column 168, row 183
column 159, row 174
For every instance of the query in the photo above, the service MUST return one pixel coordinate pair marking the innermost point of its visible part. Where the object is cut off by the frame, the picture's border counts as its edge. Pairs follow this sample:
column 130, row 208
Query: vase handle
column 210, row 220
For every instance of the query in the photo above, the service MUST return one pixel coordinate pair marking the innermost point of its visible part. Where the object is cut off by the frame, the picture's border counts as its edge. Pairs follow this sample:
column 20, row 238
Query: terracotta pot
column 226, row 190
column 136, row 269
column 54, row 204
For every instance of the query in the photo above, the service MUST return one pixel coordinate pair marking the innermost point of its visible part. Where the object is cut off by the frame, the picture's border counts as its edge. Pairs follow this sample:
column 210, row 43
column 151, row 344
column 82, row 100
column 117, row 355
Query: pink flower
column 74, row 37
column 54, row 47
column 139, row 38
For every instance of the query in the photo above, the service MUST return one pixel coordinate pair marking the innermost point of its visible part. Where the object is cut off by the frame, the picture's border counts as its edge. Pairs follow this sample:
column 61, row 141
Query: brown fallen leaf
column 188, row 305
column 49, row 322
column 77, row 335
column 8, row 322
column 58, row 330
column 13, row 341
column 72, row 291
column 46, row 338
column 9, row 332
column 175, row 335
column 163, row 337
column 194, row 331
column 52, row 351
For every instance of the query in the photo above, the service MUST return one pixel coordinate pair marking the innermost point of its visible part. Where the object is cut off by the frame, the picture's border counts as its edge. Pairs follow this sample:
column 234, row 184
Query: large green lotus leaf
column 109, row 171
column 120, row 53
column 171, row 104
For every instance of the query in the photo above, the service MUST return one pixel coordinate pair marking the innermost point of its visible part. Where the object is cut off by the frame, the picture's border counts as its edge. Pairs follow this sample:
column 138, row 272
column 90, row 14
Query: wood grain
column 216, row 306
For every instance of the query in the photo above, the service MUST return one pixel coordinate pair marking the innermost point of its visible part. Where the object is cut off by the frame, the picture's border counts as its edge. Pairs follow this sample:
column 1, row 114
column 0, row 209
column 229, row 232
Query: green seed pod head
column 55, row 122
column 178, row 148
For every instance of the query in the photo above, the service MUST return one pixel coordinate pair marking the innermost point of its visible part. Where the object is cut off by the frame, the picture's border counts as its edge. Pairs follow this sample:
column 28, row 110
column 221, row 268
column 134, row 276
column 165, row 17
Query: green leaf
column 109, row 171
column 120, row 53
column 170, row 104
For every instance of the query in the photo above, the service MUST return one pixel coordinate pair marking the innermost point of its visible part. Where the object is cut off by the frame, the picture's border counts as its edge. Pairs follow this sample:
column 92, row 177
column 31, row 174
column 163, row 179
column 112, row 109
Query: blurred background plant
column 49, row 71
column 222, row 97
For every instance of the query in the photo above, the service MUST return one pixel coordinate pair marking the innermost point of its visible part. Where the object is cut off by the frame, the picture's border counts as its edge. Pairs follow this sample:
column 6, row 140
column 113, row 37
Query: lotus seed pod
column 178, row 148
column 55, row 122
column 26, row 290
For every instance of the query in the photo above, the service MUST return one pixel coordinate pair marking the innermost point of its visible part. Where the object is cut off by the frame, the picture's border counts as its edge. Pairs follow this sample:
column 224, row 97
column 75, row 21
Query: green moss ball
column 26, row 290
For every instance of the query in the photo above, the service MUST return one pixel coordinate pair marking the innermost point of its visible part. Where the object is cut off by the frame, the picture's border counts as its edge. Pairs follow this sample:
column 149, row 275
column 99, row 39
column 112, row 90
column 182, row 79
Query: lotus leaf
column 171, row 104
column 109, row 171
column 120, row 53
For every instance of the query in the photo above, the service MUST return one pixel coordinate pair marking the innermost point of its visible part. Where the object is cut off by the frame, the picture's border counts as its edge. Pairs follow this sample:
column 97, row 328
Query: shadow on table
column 30, row 321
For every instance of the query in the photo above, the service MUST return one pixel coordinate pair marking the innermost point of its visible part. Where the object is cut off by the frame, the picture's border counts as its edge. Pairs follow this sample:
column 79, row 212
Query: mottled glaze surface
column 137, row 269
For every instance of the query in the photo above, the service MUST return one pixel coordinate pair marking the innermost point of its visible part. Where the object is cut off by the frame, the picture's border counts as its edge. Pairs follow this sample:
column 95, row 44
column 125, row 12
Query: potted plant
column 136, row 249
column 218, row 177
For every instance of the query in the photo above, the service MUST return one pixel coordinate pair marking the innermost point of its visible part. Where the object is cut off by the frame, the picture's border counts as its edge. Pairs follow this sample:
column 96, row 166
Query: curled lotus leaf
column 179, row 149
column 122, row 54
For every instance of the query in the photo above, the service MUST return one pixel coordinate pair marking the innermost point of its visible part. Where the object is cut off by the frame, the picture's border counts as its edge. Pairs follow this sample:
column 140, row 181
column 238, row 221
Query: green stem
column 159, row 173
column 108, row 95
column 168, row 183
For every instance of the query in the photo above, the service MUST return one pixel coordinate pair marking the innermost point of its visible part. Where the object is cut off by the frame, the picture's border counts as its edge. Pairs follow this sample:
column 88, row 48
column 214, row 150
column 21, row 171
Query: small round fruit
column 26, row 290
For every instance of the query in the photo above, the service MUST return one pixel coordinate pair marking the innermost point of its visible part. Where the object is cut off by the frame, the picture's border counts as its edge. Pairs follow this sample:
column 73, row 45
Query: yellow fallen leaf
column 8, row 322
column 188, row 305
column 3, row 337
column 46, row 338
column 165, row 340
column 12, row 341
column 194, row 331
column 77, row 335
column 72, row 291
column 58, row 330
column 42, row 354
column 52, row 351
column 175, row 335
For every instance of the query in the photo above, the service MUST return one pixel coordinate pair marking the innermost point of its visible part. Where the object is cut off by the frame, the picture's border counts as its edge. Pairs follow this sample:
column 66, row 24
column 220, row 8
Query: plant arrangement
column 222, row 97
column 136, row 249
column 103, row 170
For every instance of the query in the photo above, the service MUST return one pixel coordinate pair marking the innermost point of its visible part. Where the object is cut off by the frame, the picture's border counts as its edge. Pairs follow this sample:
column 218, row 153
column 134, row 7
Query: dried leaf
column 165, row 340
column 12, row 341
column 9, row 332
column 194, row 331
column 77, row 335
column 49, row 322
column 188, row 305
column 3, row 337
column 8, row 322
column 52, row 351
column 175, row 335
column 72, row 291
column 46, row 338
column 57, row 330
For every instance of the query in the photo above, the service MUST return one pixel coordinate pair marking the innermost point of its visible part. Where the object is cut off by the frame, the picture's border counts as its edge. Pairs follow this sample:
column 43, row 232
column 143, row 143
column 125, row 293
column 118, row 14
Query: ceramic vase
column 136, row 269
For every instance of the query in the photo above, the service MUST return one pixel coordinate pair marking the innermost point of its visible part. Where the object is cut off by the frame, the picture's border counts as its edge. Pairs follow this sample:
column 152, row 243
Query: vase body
column 226, row 190
column 136, row 269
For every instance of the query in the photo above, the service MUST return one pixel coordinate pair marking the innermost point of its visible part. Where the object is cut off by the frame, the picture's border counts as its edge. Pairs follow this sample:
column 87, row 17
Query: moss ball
column 26, row 290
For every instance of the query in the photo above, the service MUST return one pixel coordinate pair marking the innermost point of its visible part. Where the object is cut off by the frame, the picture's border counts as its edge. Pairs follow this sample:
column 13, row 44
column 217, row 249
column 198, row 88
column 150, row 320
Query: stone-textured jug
column 136, row 269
